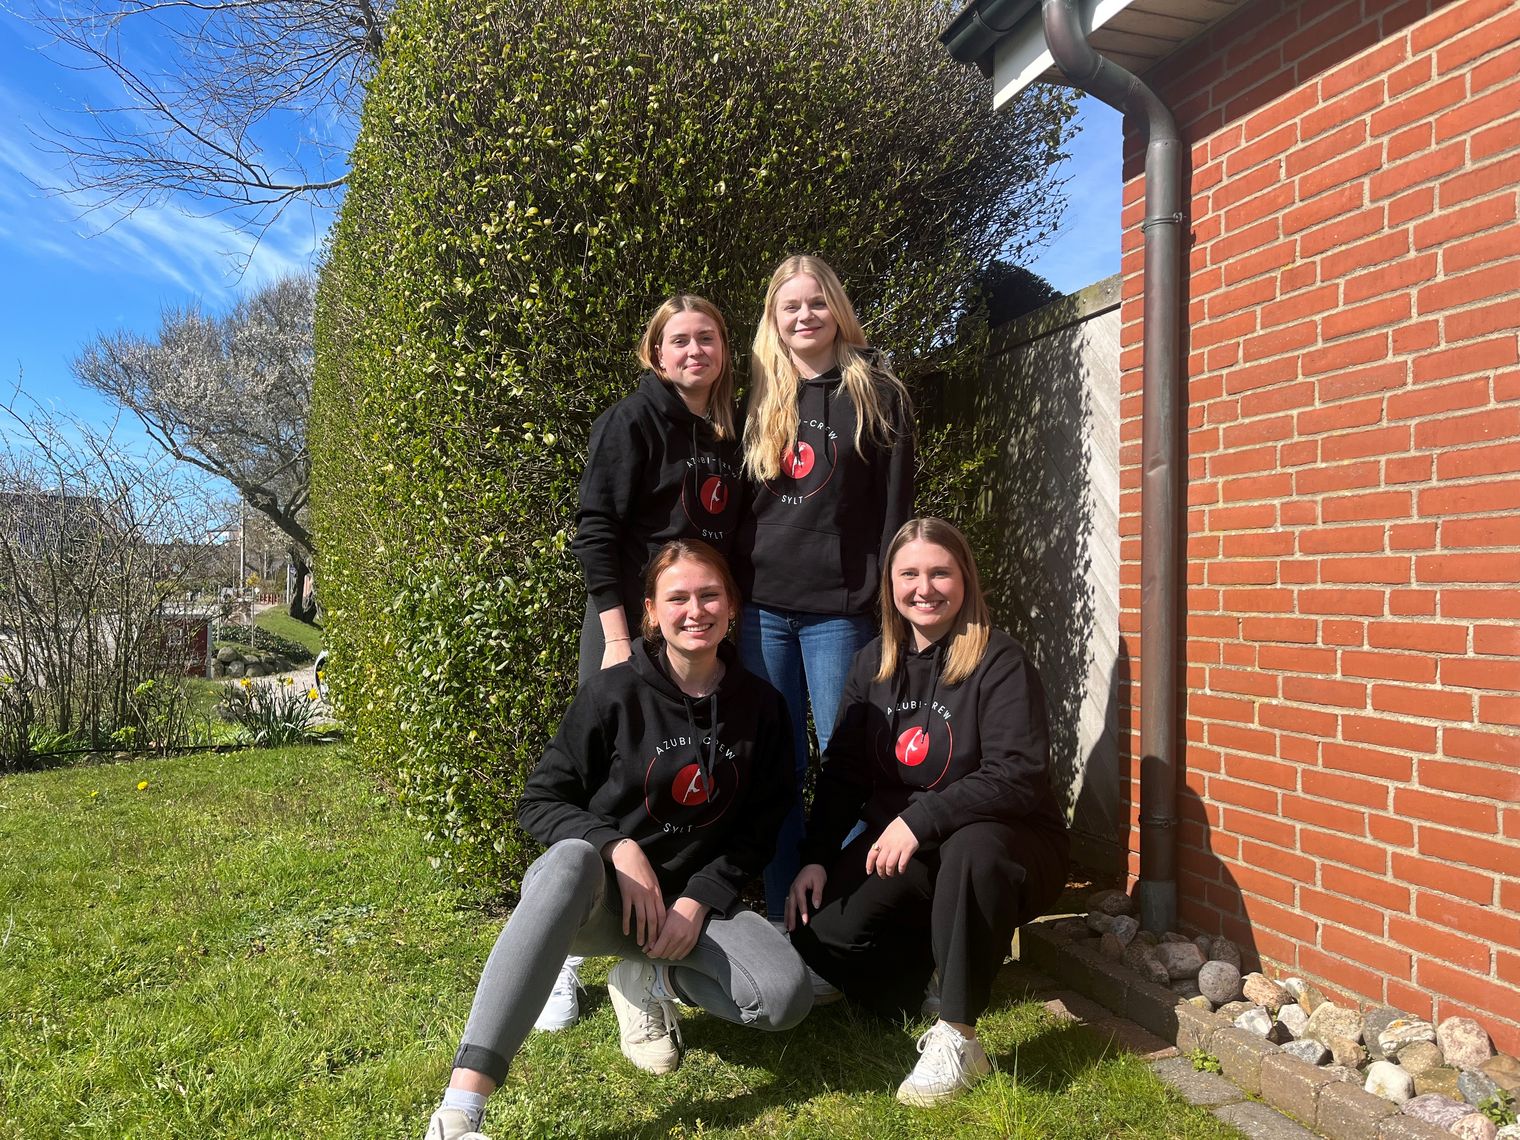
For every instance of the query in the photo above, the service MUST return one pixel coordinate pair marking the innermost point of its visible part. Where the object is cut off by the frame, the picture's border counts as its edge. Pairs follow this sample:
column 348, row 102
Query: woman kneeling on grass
column 659, row 798
column 941, row 749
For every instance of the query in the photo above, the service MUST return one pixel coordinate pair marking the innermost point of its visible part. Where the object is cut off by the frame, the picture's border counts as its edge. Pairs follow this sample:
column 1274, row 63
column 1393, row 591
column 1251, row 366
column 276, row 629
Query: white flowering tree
column 229, row 395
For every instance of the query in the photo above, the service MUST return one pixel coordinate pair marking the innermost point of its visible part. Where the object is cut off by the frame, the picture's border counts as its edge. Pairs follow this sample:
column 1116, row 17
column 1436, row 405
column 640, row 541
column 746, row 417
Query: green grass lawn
column 252, row 946
column 279, row 622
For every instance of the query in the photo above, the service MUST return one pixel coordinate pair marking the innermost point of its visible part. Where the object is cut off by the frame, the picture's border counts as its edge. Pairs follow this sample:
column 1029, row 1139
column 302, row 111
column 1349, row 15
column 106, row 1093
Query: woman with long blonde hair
column 828, row 447
column 941, row 751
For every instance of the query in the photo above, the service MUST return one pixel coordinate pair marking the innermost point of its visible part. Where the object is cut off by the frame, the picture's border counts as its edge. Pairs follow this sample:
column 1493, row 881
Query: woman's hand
column 683, row 926
column 806, row 894
column 617, row 652
column 893, row 848
column 643, row 904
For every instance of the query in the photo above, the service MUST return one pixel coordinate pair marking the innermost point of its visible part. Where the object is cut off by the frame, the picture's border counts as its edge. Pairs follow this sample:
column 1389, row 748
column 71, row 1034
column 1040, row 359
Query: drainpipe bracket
column 1162, row 220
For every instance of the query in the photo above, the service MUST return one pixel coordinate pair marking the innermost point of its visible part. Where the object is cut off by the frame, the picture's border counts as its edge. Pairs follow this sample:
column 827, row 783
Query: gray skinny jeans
column 741, row 969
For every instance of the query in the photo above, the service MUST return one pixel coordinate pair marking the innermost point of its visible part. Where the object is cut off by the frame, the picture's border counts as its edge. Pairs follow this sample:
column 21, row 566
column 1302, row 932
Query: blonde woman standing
column 828, row 448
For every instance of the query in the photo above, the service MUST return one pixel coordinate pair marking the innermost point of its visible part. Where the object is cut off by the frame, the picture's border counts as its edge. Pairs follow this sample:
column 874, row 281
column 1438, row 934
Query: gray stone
column 1504, row 1071
column 1135, row 955
column 1309, row 1051
column 1464, row 1043
column 1233, row 1009
column 1181, row 959
column 1074, row 929
column 1294, row 1018
column 234, row 668
column 1420, row 1057
column 1174, row 937
column 1110, row 947
column 1329, row 1020
column 1475, row 1126
column 1387, row 1080
column 1185, row 987
column 1476, row 1087
column 1198, row 1001
column 1111, row 902
column 1257, row 1021
column 1377, row 1019
column 1344, row 1073
column 1124, row 928
column 1156, row 972
column 1149, row 937
column 1219, row 982
column 1264, row 992
column 1221, row 949
column 1202, row 941
column 1306, row 994
column 1508, row 1132
column 226, row 653
column 1346, row 1051
column 1441, row 1080
column 1402, row 1031
column 1098, row 922
column 1433, row 1108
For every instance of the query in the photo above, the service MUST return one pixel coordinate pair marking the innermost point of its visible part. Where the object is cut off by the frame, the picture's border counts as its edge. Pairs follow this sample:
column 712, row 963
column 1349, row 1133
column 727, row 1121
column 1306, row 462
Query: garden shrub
column 530, row 180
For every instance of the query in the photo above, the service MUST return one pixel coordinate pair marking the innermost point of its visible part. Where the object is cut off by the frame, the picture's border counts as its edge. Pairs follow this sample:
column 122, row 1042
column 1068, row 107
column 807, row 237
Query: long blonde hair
column 720, row 397
column 772, row 424
column 973, row 625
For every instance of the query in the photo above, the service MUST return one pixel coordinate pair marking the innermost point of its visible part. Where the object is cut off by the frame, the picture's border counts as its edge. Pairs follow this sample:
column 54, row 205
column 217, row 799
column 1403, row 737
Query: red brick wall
column 1352, row 709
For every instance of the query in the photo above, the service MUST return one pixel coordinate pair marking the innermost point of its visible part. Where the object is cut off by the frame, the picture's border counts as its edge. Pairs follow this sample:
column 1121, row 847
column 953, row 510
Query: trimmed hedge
column 530, row 180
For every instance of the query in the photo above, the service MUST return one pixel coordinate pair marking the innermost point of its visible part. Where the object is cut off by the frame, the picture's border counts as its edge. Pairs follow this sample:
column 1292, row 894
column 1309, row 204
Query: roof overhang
column 1006, row 38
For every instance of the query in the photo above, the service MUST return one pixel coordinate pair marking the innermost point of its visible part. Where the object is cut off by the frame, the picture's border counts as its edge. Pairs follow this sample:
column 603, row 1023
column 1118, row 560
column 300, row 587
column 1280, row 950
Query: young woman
column 941, row 748
column 664, row 463
column 828, row 443
column 659, row 799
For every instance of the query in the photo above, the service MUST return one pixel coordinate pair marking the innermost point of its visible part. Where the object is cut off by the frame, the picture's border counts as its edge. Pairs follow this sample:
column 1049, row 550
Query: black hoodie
column 655, row 472
column 816, row 535
column 939, row 755
column 702, row 785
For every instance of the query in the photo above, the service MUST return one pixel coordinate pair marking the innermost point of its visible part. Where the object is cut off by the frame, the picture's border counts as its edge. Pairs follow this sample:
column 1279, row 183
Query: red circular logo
column 913, row 747
column 714, row 495
column 797, row 460
column 689, row 788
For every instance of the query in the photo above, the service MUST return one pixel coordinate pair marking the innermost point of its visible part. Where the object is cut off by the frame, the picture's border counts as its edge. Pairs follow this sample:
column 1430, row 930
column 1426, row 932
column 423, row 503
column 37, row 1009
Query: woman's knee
column 570, row 868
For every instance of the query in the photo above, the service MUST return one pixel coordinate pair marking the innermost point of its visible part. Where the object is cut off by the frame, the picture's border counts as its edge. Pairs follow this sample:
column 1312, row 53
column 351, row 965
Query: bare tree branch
column 204, row 87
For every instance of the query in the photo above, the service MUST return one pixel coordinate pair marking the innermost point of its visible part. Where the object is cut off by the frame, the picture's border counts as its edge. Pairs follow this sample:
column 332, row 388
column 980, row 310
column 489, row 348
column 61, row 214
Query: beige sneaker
column 949, row 1065
column 647, row 1022
column 451, row 1124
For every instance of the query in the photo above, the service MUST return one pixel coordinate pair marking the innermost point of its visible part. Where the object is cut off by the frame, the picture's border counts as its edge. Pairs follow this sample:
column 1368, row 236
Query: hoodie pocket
column 798, row 569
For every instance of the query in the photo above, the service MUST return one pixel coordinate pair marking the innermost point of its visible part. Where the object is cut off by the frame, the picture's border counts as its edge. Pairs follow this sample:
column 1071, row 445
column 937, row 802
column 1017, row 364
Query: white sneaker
column 824, row 993
column 452, row 1124
column 647, row 1023
column 950, row 1064
column 563, row 1006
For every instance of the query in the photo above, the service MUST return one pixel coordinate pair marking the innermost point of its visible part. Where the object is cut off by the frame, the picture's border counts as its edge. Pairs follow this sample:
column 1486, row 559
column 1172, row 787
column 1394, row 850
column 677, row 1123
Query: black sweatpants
column 956, row 906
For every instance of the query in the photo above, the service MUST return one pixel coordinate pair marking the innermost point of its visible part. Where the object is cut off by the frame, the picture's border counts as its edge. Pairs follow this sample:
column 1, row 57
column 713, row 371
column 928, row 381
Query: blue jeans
column 807, row 658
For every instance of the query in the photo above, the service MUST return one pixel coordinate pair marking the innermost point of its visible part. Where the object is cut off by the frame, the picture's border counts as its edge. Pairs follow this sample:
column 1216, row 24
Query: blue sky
column 69, row 273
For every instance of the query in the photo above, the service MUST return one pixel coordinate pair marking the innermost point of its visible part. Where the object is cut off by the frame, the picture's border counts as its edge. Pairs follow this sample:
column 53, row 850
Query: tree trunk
column 302, row 607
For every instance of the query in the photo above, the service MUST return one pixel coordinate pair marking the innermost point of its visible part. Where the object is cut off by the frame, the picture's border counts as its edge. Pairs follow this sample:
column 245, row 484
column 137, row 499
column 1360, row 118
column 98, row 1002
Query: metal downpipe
column 1161, row 509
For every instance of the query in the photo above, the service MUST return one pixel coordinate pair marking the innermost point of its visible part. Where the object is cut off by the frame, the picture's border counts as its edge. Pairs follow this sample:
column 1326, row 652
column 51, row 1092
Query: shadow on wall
column 1049, row 399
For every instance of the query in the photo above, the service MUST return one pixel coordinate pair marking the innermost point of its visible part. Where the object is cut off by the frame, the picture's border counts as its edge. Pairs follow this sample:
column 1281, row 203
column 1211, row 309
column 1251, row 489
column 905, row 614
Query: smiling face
column 805, row 324
column 927, row 589
column 691, row 607
column 690, row 357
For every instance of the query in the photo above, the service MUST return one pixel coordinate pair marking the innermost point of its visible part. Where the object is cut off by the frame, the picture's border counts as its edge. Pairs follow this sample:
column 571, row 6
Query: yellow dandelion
column 142, row 785
column 95, row 793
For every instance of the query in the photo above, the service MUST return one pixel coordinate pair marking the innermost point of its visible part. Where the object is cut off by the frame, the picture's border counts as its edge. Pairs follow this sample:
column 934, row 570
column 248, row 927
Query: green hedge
column 530, row 180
